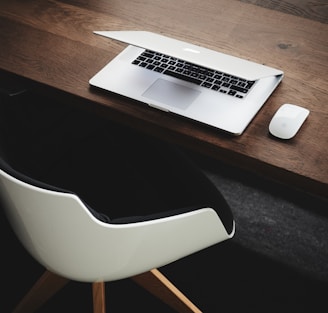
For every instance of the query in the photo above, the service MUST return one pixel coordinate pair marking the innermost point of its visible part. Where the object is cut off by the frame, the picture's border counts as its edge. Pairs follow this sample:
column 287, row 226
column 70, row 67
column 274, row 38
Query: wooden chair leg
column 158, row 285
column 98, row 292
column 45, row 287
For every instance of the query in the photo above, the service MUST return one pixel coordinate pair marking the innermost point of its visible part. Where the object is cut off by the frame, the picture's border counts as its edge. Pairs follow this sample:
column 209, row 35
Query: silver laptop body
column 218, row 90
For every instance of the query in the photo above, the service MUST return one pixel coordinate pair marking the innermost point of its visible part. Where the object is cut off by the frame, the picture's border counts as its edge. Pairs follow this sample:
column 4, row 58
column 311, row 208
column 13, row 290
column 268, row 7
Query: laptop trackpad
column 170, row 93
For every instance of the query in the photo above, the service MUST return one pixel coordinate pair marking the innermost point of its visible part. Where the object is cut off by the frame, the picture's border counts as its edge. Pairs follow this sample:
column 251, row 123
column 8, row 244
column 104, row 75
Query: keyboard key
column 183, row 77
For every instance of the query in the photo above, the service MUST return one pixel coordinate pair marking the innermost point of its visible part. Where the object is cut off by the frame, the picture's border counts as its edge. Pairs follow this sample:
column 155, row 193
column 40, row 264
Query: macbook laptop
column 194, row 82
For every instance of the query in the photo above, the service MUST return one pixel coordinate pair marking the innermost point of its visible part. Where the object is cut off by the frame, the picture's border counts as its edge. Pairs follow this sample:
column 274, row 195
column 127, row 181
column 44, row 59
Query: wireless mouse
column 287, row 121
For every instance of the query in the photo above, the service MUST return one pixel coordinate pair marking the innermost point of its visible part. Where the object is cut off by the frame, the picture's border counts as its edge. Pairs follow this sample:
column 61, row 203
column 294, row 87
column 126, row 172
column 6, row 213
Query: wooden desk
column 51, row 44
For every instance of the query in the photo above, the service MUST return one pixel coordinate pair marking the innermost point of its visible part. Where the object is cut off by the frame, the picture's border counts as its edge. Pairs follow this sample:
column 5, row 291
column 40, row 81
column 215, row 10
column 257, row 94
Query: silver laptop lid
column 193, row 53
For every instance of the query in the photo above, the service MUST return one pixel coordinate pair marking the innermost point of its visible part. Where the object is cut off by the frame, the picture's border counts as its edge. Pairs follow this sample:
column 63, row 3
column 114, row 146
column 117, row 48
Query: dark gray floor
column 273, row 220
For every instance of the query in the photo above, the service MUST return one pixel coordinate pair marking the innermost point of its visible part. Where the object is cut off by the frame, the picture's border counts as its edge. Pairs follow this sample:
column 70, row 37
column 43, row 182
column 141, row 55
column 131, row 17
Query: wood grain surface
column 315, row 10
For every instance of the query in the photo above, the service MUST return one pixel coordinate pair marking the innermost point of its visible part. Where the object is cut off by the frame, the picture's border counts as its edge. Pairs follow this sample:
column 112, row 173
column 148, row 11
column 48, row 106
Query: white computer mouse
column 287, row 121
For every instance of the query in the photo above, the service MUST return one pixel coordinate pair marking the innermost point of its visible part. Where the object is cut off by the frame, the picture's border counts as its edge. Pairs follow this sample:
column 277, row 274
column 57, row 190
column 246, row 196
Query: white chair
column 58, row 229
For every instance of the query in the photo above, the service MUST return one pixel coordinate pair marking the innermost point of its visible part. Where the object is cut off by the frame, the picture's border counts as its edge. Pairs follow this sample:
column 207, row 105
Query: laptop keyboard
column 201, row 76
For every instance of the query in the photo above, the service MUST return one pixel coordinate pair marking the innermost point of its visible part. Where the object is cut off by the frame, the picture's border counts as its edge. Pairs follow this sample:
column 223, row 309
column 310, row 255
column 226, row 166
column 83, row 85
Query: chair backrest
column 61, row 233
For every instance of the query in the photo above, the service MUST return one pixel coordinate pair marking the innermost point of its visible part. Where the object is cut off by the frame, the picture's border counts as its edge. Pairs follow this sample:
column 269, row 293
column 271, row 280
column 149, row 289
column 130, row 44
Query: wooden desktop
column 51, row 46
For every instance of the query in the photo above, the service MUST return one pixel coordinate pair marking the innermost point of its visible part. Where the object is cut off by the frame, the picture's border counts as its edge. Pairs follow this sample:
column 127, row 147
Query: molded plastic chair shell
column 61, row 233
